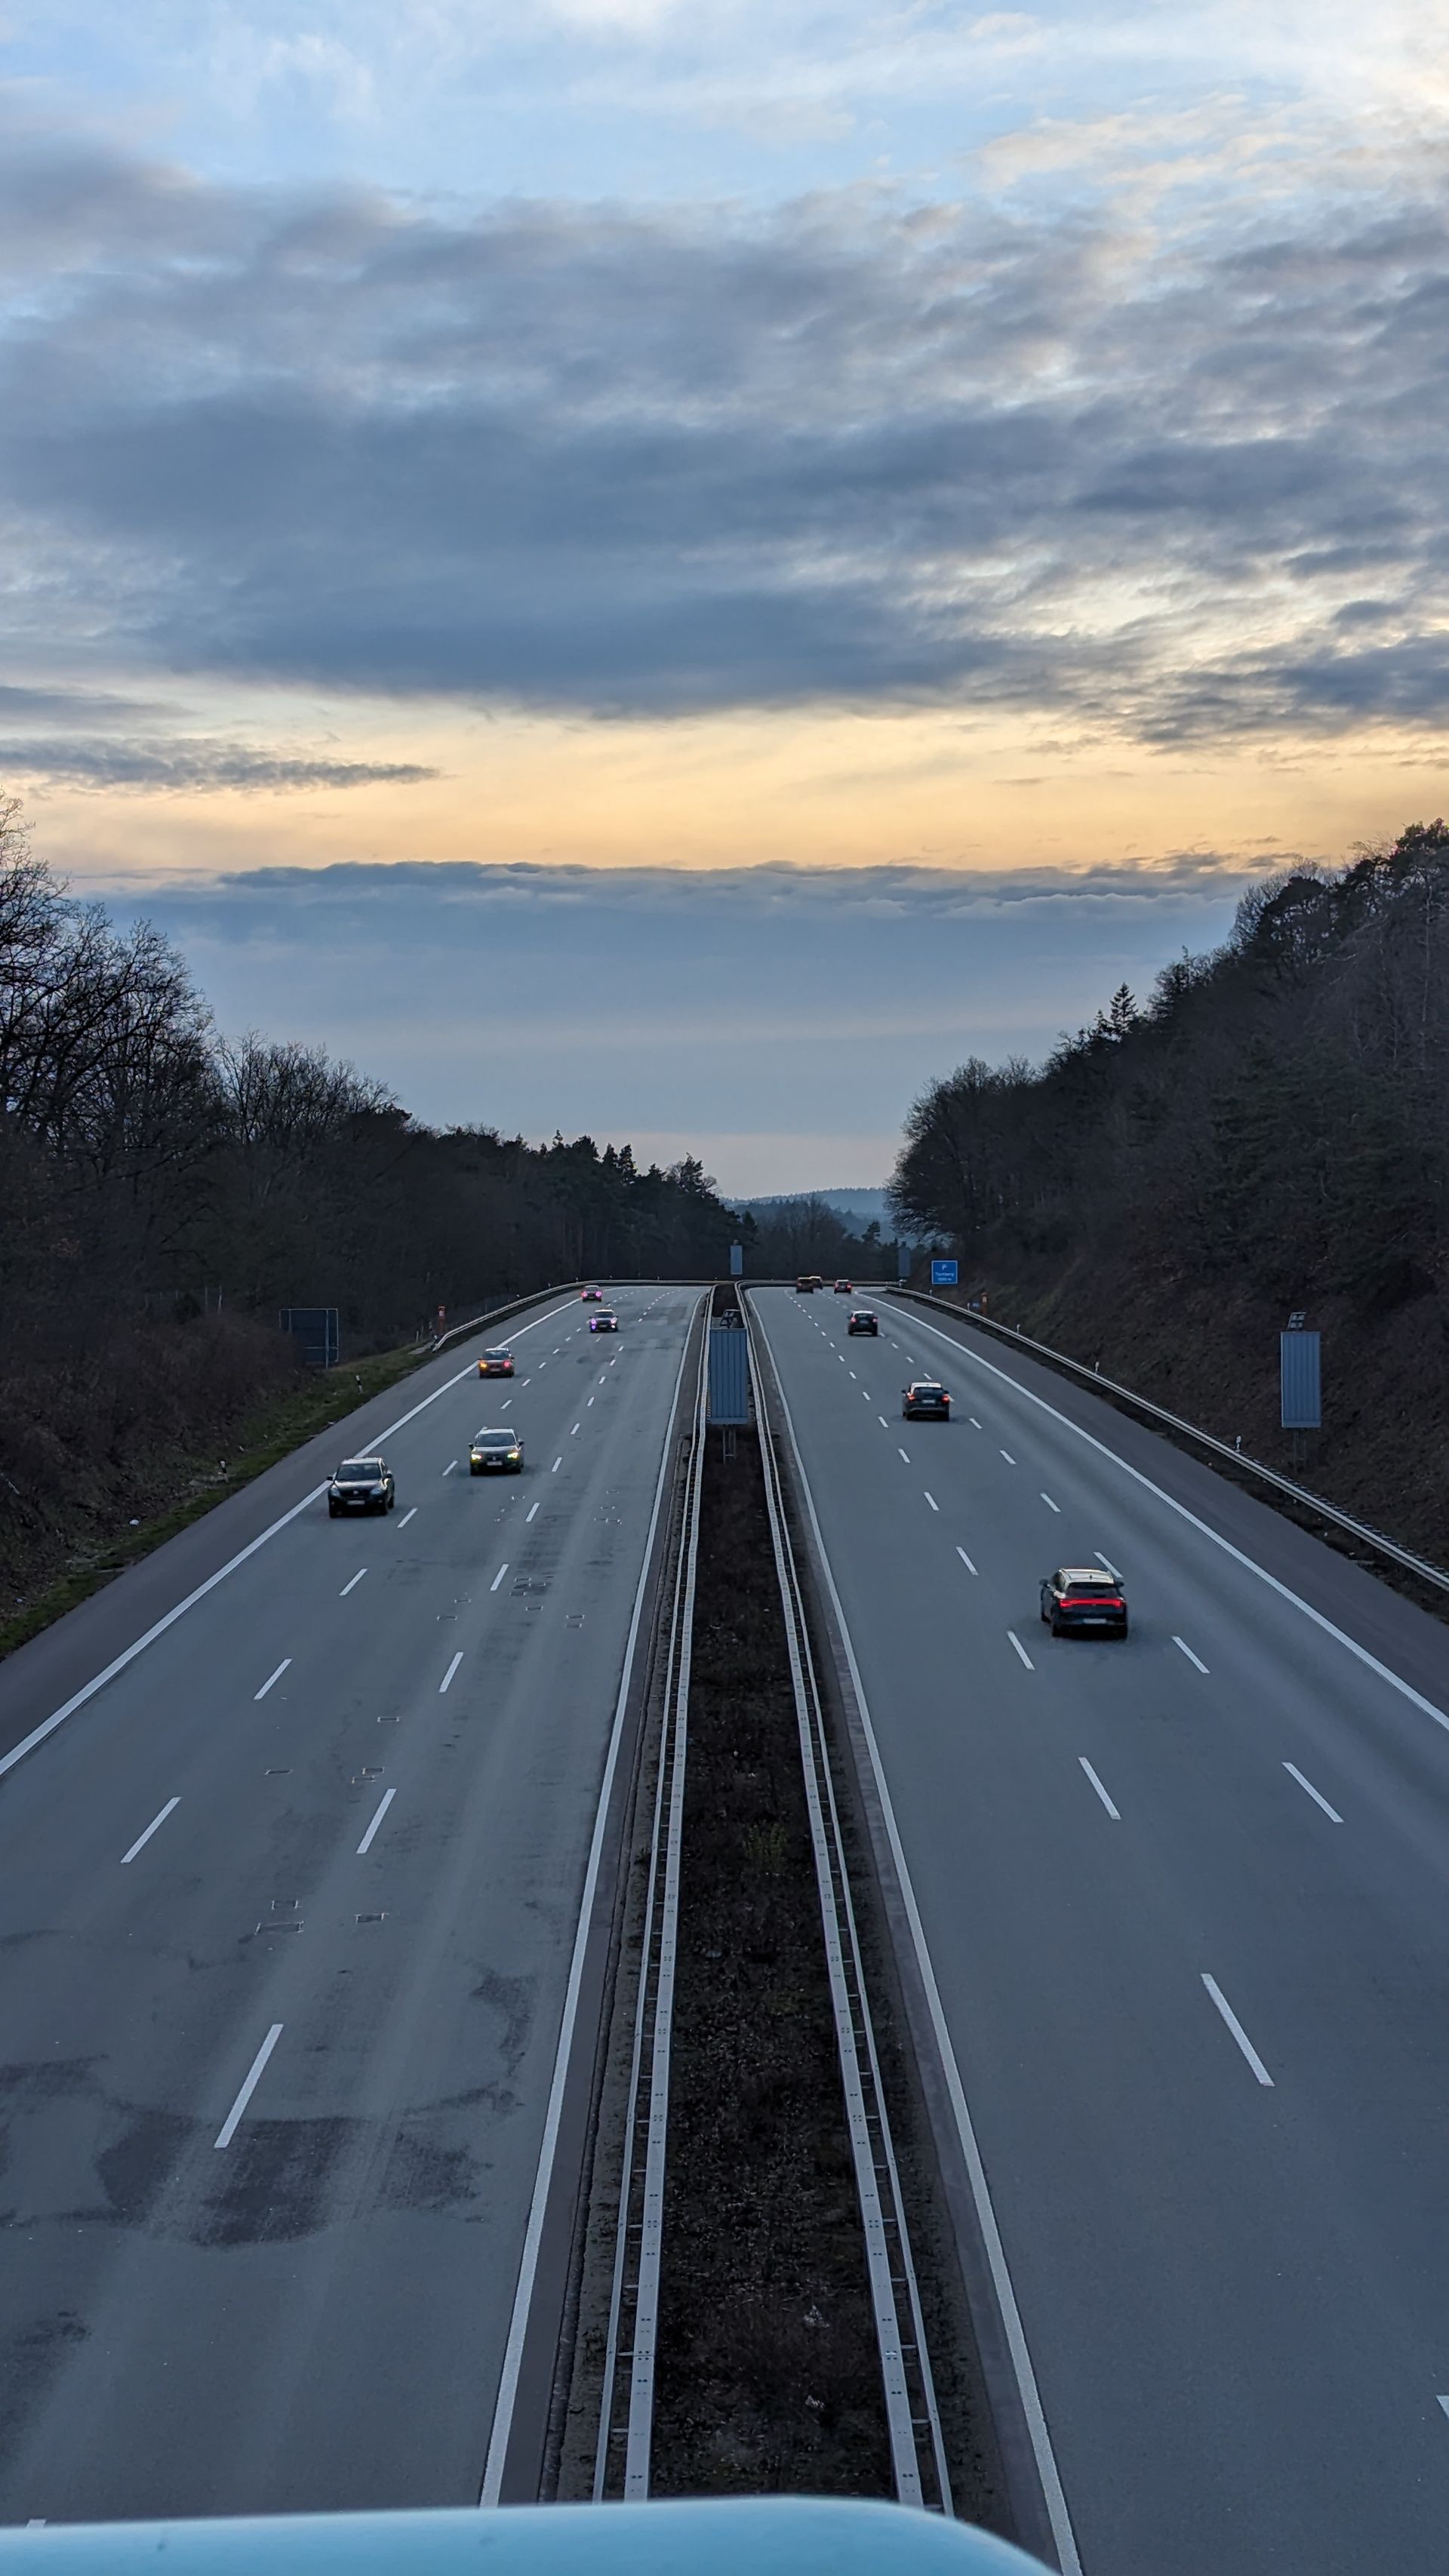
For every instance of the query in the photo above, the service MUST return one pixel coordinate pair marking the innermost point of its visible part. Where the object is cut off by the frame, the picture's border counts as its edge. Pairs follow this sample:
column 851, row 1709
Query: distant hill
column 856, row 1206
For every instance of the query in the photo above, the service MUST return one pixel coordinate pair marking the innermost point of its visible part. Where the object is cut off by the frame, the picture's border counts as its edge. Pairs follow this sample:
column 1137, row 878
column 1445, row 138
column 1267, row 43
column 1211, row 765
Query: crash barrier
column 1124, row 1395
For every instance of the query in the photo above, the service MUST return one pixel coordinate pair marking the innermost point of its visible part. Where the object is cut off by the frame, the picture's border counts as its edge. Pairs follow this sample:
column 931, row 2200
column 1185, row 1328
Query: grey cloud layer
column 660, row 462
column 588, row 974
column 189, row 766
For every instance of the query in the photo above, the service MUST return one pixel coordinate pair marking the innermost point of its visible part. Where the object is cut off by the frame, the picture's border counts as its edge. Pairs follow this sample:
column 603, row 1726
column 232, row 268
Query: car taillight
column 1091, row 1601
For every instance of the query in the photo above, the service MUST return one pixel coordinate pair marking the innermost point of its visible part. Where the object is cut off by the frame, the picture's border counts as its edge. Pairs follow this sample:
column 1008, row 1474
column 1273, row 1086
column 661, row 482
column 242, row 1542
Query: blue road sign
column 943, row 1274
column 1299, row 1380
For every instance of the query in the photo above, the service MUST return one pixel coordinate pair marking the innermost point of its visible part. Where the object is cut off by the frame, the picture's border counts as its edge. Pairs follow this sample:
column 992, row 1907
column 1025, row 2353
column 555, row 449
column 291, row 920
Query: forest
column 167, row 1191
column 1266, row 1132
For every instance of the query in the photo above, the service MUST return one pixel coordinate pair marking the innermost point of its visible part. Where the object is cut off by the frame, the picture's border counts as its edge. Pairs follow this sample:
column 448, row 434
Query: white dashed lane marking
column 142, row 1839
column 1101, row 1792
column 1315, row 1794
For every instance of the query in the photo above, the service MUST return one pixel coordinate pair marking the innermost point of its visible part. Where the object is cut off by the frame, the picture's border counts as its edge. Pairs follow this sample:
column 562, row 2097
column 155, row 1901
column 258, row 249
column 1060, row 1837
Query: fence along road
column 291, row 1904
column 1182, row 1900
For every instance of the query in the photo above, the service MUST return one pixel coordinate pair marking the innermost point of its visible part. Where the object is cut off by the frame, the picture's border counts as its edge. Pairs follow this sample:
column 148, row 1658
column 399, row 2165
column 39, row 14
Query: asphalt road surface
column 1185, row 1899
column 288, row 1908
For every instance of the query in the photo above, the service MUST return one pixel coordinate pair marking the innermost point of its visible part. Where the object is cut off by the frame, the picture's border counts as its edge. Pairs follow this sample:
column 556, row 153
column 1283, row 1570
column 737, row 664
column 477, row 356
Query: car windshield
column 498, row 1355
column 359, row 1471
column 507, row 1438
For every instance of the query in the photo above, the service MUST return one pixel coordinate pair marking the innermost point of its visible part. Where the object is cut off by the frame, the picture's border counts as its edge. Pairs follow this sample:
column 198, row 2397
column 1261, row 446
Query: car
column 861, row 1320
column 843, row 1288
column 497, row 1363
column 495, row 1452
column 360, row 1485
column 804, row 1287
column 606, row 1321
column 925, row 1400
column 592, row 1297
column 1079, row 1598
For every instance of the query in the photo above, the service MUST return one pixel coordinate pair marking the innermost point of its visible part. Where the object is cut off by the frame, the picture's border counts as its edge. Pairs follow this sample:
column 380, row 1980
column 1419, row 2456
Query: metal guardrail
column 1125, row 1395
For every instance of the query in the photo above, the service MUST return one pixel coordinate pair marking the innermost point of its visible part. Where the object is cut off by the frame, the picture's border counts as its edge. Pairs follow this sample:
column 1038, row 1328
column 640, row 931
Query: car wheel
column 332, row 1512
column 392, row 1501
column 1056, row 1625
column 1122, row 1631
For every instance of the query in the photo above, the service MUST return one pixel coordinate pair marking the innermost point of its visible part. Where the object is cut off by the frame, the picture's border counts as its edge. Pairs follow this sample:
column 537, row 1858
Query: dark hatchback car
column 925, row 1400
column 1084, row 1600
column 863, row 1321
column 606, row 1321
column 361, row 1485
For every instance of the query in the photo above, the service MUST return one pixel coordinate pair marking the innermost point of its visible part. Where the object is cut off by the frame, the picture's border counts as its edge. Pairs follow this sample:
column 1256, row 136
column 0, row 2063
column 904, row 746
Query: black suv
column 1084, row 1597
column 361, row 1485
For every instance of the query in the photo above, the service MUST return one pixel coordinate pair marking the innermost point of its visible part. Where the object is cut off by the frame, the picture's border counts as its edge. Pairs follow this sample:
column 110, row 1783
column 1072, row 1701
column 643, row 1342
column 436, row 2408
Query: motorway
column 290, row 1908
column 1184, row 1900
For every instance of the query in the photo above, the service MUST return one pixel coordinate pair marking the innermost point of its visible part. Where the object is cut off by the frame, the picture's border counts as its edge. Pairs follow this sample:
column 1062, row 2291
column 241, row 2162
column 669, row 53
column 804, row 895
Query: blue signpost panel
column 1298, row 1370
column 729, row 1375
column 943, row 1274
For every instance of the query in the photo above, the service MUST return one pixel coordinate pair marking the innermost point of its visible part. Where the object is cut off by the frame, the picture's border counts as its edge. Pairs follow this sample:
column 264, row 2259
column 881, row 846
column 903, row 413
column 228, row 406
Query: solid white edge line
column 1046, row 2467
column 232, row 2121
column 282, row 1667
column 1021, row 1650
column 1236, row 2027
column 142, row 1839
column 1112, row 1811
column 119, row 1662
column 1315, row 1794
column 1186, row 1649
column 388, row 1796
column 498, row 1577
column 507, row 2397
column 1205, row 1530
column 447, row 1680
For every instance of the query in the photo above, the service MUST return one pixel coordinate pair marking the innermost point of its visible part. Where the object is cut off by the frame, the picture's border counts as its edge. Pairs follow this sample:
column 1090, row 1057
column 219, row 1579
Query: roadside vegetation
column 167, row 1192
column 808, row 1234
column 1267, row 1134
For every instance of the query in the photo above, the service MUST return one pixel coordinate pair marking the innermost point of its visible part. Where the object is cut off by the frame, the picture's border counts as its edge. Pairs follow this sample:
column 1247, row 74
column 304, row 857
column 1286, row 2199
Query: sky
column 678, row 569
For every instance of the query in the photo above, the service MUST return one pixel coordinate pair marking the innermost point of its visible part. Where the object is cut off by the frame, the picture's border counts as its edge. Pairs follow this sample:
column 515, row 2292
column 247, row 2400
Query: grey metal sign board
column 315, row 1327
column 737, row 1260
column 1300, row 1381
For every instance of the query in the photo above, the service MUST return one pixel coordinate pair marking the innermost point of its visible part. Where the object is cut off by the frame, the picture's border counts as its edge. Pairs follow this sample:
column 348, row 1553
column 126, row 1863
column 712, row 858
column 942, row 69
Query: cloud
column 528, row 997
column 190, row 766
column 658, row 461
